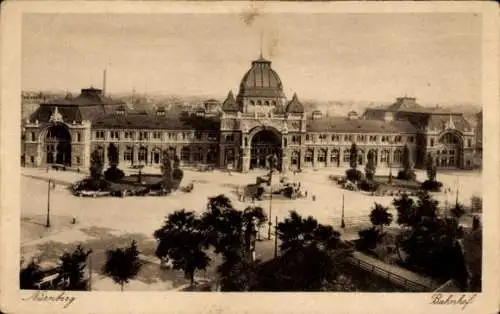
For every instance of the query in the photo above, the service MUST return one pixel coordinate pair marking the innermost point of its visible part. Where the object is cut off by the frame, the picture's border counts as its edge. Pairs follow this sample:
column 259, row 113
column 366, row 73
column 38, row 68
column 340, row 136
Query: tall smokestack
column 104, row 83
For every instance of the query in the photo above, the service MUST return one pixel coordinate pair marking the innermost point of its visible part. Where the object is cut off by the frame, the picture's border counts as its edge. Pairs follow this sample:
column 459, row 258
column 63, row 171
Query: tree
column 380, row 216
column 309, row 247
column 253, row 219
column 406, row 210
column 431, row 168
column 113, row 157
column 458, row 210
column 72, row 269
column 30, row 276
column 181, row 239
column 96, row 165
column 353, row 156
column 407, row 162
column 122, row 264
column 166, row 170
column 370, row 166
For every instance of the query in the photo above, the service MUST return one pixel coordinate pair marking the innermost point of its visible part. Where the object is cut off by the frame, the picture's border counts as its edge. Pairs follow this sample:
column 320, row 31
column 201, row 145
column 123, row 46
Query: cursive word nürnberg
column 54, row 297
column 462, row 299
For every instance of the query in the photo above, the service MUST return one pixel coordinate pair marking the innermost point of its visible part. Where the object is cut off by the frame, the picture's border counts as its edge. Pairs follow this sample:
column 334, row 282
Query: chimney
column 104, row 83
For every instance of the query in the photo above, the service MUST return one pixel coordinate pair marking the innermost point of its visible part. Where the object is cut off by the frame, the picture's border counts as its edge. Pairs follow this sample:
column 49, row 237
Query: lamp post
column 47, row 225
column 342, row 222
column 270, row 211
column 276, row 237
column 90, row 270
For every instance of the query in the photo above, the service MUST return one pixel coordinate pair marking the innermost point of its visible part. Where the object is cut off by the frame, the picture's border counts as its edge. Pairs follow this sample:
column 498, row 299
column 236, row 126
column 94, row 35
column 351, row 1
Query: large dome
column 261, row 81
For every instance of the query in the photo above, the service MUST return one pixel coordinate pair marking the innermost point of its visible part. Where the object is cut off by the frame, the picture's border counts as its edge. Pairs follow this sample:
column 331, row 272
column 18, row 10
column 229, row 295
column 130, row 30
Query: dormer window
column 160, row 113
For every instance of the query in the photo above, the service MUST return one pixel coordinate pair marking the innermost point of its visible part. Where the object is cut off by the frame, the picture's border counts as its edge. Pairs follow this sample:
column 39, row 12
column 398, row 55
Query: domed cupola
column 294, row 105
column 261, row 81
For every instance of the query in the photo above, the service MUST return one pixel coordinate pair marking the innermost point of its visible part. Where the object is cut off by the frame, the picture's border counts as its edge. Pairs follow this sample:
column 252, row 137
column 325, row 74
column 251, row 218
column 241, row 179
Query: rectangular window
column 77, row 160
column 115, row 135
column 410, row 139
column 99, row 135
column 197, row 135
column 32, row 159
column 143, row 136
column 78, row 137
column 33, row 136
column 432, row 142
column 157, row 135
column 212, row 136
column 469, row 143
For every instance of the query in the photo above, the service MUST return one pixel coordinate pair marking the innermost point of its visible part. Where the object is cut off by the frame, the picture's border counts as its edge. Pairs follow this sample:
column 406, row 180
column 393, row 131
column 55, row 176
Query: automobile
column 93, row 193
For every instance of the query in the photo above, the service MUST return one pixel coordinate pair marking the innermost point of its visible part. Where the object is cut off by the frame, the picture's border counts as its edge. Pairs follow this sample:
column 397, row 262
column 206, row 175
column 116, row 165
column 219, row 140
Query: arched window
column 308, row 157
column 384, row 156
column 295, row 158
column 252, row 103
column 259, row 103
column 274, row 103
column 334, row 157
column 398, row 156
column 143, row 152
column 185, row 154
column 322, row 156
column 266, row 103
column 347, row 155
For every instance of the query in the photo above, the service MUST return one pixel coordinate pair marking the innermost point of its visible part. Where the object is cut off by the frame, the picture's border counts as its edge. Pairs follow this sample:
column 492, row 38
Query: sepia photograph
column 251, row 151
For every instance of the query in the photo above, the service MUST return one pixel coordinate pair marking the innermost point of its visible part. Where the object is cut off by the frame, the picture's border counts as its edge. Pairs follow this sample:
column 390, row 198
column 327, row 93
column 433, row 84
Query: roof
column 345, row 125
column 442, row 121
column 404, row 103
column 295, row 106
column 230, row 103
column 152, row 121
column 261, row 81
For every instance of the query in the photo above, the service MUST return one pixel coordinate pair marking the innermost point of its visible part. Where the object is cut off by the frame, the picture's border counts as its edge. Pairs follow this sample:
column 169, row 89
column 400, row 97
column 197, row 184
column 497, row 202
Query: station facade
column 257, row 122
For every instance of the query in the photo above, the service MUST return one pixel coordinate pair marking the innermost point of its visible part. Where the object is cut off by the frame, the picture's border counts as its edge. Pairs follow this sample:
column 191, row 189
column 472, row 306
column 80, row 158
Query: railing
column 396, row 279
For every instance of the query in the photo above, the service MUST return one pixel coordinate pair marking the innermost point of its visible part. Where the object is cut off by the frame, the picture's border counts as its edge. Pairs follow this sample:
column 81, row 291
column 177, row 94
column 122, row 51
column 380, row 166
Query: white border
column 161, row 302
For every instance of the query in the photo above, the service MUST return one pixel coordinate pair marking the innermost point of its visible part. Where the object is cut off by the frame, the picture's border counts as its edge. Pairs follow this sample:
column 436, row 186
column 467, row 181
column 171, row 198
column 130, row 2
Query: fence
column 396, row 279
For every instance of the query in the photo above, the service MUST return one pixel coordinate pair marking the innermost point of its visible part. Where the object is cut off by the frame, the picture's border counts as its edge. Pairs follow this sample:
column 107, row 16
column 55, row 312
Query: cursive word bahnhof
column 453, row 299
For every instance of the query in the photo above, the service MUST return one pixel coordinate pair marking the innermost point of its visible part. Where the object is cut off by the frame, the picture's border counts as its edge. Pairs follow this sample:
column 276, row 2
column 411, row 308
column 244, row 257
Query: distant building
column 243, row 131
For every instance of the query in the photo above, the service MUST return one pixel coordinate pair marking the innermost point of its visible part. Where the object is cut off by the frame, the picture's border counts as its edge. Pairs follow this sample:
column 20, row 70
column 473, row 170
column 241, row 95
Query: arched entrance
column 449, row 150
column 263, row 144
column 58, row 145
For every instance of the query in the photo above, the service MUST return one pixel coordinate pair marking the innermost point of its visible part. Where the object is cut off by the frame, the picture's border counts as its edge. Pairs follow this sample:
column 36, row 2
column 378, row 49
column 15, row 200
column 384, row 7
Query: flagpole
column 342, row 222
column 47, row 225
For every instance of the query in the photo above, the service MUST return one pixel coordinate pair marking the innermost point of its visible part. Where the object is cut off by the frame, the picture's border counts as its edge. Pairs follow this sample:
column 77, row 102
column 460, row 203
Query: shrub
column 354, row 175
column 408, row 175
column 113, row 174
column 368, row 185
column 177, row 174
column 432, row 186
column 368, row 238
column 92, row 185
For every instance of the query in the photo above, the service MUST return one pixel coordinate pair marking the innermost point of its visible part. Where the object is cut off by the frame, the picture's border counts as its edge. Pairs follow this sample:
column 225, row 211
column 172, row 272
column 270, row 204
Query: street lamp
column 342, row 222
column 276, row 237
column 47, row 225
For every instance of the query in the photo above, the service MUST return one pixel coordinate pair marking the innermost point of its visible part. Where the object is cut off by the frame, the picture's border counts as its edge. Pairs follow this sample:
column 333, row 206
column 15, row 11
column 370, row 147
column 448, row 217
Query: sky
column 435, row 57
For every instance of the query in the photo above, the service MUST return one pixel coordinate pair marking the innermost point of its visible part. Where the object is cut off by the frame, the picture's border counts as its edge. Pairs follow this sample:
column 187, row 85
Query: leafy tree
column 166, row 170
column 30, row 276
column 96, row 165
column 353, row 156
column 113, row 157
column 407, row 162
column 72, row 269
column 253, row 219
column 426, row 207
column 405, row 207
column 181, row 239
column 431, row 168
column 380, row 216
column 305, row 245
column 368, row 238
column 370, row 166
column 122, row 264
column 458, row 210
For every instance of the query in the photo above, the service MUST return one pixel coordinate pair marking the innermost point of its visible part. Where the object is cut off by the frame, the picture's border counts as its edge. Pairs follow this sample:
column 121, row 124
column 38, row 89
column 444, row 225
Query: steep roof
column 145, row 120
column 443, row 121
column 345, row 125
column 230, row 103
column 294, row 105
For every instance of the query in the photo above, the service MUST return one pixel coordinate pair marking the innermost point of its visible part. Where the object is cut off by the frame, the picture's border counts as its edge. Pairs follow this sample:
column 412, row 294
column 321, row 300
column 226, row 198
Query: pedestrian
column 314, row 198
